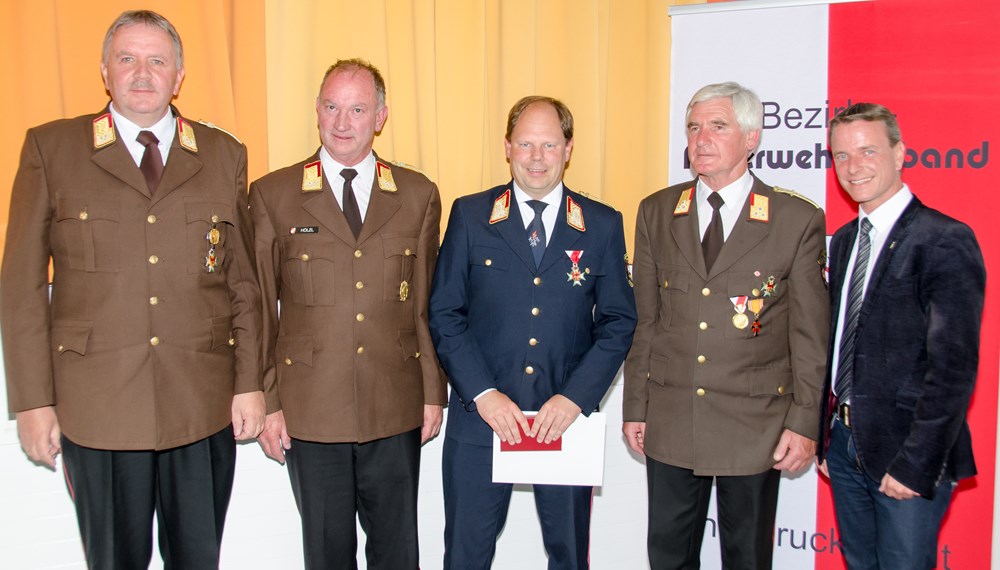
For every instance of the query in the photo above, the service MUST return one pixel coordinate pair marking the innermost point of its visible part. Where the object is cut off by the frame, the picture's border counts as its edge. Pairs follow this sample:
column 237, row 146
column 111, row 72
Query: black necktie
column 151, row 164
column 536, row 231
column 350, row 203
column 711, row 244
column 845, row 361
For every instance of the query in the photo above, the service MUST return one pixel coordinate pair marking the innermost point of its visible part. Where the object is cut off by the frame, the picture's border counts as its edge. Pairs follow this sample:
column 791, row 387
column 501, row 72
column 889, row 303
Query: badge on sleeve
column 501, row 208
column 684, row 203
column 104, row 131
column 574, row 215
column 312, row 177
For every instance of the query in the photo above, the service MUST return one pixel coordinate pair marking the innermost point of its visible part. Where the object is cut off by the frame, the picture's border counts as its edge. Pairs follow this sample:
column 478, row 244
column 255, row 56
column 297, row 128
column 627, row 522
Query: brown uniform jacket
column 715, row 398
column 349, row 357
column 140, row 347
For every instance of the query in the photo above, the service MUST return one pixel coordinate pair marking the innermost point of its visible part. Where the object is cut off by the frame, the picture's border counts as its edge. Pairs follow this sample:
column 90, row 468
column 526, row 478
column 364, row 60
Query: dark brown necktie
column 151, row 164
column 350, row 203
column 711, row 244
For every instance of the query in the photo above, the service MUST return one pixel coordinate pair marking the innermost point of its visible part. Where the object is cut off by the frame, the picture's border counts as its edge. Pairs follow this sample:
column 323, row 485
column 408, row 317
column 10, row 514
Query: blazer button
column 535, row 311
column 288, row 361
column 304, row 257
column 407, row 252
column 703, row 326
column 60, row 348
column 537, row 280
column 529, row 370
column 706, row 292
column 700, row 391
column 215, row 218
column 360, row 317
column 781, row 390
column 151, row 219
column 755, row 292
column 154, row 341
column 154, row 259
column 361, row 350
column 488, row 262
column 701, row 359
column 84, row 216
column 665, row 283
column 357, row 253
column 533, row 341
column 359, row 285
column 154, row 300
column 232, row 342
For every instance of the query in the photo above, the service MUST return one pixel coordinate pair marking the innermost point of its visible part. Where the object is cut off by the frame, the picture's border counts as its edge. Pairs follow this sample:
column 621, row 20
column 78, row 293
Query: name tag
column 304, row 230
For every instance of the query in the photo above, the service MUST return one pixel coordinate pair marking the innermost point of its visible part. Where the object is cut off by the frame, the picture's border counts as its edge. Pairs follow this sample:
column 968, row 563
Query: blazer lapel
column 381, row 207
column 323, row 206
column 898, row 233
column 512, row 229
column 564, row 236
column 116, row 160
column 684, row 229
column 746, row 233
column 181, row 165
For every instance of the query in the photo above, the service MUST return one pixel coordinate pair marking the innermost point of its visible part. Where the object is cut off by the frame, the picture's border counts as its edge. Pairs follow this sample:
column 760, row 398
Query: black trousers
column 678, row 508
column 117, row 492
column 376, row 482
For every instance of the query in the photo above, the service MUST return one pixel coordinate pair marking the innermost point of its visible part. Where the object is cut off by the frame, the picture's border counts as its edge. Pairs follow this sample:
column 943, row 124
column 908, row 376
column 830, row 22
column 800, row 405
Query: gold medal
column 740, row 320
column 213, row 236
column 404, row 290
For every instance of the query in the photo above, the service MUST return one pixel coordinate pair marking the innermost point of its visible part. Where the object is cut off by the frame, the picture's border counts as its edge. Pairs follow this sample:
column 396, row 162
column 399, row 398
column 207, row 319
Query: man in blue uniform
column 531, row 309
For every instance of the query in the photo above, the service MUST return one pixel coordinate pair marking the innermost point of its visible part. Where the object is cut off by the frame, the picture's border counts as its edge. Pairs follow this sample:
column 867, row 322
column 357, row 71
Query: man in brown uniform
column 147, row 349
column 724, row 377
column 346, row 243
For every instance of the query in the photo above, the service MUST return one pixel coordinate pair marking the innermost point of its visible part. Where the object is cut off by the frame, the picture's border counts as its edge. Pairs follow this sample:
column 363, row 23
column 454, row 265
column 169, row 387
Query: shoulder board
column 596, row 199
column 406, row 166
column 796, row 194
column 218, row 128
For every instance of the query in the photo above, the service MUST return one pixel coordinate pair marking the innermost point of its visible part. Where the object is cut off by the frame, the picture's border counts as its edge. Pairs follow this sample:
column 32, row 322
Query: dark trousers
column 475, row 510
column 877, row 531
column 678, row 508
column 336, row 484
column 117, row 492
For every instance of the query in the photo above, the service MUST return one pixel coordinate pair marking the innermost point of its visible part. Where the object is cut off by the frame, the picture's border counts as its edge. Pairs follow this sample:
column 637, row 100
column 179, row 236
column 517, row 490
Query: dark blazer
column 489, row 302
column 141, row 346
column 715, row 398
column 350, row 359
column 916, row 349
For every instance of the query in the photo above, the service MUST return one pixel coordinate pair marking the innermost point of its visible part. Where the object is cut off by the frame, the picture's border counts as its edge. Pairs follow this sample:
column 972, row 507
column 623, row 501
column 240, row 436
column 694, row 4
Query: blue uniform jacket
column 499, row 322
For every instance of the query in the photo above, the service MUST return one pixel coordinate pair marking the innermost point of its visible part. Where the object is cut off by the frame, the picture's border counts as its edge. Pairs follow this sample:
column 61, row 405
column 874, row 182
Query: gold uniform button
column 533, row 341
column 215, row 218
column 407, row 252
column 529, row 370
column 304, row 257
column 154, row 300
column 417, row 355
column 488, row 262
column 359, row 285
column 665, row 283
column 360, row 317
column 706, row 292
column 154, row 341
column 703, row 326
column 755, row 292
column 154, row 259
column 537, row 280
column 357, row 253
column 60, row 348
column 535, row 311
column 701, row 359
column 288, row 361
column 781, row 390
column 361, row 350
column 84, row 216
column 700, row 391
column 151, row 219
column 232, row 342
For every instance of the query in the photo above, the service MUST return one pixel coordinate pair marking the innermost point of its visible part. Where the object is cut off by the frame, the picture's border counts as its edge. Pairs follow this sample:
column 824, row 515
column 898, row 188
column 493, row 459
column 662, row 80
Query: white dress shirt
column 734, row 195
column 362, row 183
column 163, row 130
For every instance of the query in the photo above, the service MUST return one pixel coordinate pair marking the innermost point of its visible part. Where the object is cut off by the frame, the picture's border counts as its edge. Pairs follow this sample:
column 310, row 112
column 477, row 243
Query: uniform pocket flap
column 211, row 212
column 71, row 336
column 85, row 209
column 291, row 350
column 490, row 257
column 770, row 382
column 222, row 332
column 658, row 364
column 409, row 343
column 673, row 278
column 399, row 245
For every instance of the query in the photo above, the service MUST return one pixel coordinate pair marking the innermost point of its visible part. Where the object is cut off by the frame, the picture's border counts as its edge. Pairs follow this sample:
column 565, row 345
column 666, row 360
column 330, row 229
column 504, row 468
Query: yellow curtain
column 453, row 69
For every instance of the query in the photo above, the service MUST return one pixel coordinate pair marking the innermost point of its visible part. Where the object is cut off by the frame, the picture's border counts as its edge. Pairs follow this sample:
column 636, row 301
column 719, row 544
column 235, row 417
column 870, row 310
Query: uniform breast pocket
column 672, row 282
column 88, row 232
column 400, row 255
column 756, row 304
column 208, row 224
column 308, row 272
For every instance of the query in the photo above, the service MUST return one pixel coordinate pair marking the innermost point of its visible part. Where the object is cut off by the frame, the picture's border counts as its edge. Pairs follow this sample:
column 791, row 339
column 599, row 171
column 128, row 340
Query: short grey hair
column 148, row 18
column 746, row 104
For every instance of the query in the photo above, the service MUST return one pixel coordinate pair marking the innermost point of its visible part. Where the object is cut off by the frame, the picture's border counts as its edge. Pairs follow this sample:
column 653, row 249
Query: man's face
column 348, row 115
column 717, row 146
column 867, row 165
column 141, row 73
column 537, row 150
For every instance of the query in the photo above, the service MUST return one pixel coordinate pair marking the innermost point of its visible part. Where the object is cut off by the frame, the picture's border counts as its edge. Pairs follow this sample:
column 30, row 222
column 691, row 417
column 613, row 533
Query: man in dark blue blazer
column 531, row 309
column 907, row 299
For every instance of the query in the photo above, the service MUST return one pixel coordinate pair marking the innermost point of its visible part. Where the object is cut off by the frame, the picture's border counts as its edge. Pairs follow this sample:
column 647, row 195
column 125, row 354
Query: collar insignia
column 501, row 208
column 185, row 135
column 312, row 177
column 759, row 208
column 104, row 131
column 574, row 215
column 385, row 181
column 684, row 203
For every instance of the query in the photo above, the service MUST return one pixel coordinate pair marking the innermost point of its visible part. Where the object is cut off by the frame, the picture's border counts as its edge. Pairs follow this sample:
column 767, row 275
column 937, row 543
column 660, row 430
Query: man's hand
column 635, row 435
column 248, row 415
column 553, row 419
column 38, row 430
column 432, row 422
column 502, row 415
column 274, row 438
column 794, row 451
column 893, row 489
column 822, row 468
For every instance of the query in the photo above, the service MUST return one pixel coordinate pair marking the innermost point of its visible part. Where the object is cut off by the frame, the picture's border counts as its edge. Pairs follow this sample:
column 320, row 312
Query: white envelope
column 579, row 462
